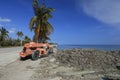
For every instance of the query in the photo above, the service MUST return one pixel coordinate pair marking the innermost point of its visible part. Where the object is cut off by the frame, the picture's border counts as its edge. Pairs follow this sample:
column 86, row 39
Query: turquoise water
column 99, row 47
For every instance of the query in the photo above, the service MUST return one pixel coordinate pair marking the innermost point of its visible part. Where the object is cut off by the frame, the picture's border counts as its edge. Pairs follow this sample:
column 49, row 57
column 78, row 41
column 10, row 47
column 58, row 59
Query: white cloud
column 1, row 25
column 5, row 20
column 12, row 30
column 107, row 11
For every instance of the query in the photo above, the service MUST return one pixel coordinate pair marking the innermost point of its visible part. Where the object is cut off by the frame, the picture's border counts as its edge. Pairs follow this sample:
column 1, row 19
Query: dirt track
column 11, row 68
column 8, row 55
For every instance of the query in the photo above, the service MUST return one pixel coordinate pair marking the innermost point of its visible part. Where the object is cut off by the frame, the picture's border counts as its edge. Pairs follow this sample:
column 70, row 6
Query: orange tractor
column 35, row 50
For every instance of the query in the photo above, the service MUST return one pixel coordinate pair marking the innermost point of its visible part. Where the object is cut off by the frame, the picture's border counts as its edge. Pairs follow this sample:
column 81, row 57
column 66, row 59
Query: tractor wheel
column 35, row 55
column 51, row 50
column 22, row 58
column 47, row 53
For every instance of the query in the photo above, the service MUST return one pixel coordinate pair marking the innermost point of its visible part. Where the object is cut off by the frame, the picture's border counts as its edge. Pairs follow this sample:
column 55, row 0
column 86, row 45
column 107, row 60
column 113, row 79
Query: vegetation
column 20, row 34
column 3, row 34
column 26, row 40
column 39, row 23
column 7, row 41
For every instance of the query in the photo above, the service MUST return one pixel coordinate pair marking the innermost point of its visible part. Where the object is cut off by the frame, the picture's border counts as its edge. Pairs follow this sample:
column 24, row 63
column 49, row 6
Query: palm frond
column 32, row 22
column 46, row 15
column 49, row 9
column 50, row 28
column 35, row 3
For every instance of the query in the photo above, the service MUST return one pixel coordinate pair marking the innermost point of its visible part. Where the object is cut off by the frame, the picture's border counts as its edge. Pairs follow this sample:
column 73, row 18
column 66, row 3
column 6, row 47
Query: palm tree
column 3, row 34
column 27, row 39
column 20, row 35
column 39, row 23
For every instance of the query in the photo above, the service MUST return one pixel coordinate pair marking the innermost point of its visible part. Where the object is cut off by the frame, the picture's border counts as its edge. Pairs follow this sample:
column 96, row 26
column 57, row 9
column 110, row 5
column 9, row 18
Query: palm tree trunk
column 21, row 42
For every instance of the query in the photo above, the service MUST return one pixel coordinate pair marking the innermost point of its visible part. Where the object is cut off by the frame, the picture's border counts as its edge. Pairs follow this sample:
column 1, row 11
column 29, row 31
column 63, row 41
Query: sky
column 75, row 21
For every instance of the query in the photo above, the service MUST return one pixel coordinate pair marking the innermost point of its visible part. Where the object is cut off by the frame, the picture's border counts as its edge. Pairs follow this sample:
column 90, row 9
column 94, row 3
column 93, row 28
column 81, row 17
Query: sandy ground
column 9, row 55
column 11, row 68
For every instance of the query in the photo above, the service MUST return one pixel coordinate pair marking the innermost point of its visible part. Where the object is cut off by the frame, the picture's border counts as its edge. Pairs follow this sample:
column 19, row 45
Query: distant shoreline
column 94, row 47
column 97, row 47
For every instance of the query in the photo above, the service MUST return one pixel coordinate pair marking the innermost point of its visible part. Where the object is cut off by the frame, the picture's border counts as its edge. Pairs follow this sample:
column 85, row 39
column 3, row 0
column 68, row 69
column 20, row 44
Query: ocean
column 98, row 47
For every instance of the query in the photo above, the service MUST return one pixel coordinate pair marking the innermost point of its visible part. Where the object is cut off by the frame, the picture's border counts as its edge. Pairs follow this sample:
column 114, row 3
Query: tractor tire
column 47, row 53
column 22, row 58
column 35, row 55
column 51, row 50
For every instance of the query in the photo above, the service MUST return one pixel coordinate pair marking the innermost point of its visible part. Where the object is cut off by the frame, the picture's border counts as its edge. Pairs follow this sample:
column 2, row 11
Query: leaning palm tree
column 20, row 35
column 39, row 23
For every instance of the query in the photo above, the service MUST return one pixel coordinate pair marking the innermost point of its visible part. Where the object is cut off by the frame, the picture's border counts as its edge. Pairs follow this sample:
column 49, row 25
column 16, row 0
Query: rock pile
column 89, row 59
column 79, row 64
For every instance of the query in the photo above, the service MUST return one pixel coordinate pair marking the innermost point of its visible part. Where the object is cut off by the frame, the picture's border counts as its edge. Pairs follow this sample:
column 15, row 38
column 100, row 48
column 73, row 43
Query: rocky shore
column 79, row 64
column 89, row 59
